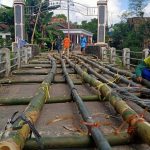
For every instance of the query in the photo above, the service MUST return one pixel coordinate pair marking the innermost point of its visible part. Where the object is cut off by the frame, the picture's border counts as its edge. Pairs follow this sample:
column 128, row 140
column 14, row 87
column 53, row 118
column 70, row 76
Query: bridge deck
column 60, row 119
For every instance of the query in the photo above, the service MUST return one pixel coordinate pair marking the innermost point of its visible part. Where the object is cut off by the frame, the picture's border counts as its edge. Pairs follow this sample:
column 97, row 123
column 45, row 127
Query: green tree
column 90, row 26
column 61, row 16
column 137, row 6
column 7, row 18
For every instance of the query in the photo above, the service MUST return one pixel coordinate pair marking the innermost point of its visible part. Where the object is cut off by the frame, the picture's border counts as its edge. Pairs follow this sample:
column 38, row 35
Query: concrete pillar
column 112, row 55
column 77, row 39
column 6, row 53
column 126, row 58
column 19, row 11
column 26, row 55
column 145, row 53
column 103, row 53
column 102, row 20
column 91, row 39
column 19, row 58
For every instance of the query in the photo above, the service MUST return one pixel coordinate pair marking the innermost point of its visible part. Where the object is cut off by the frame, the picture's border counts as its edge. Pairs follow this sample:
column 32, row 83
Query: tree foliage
column 124, row 35
column 137, row 6
column 7, row 17
column 90, row 26
column 61, row 16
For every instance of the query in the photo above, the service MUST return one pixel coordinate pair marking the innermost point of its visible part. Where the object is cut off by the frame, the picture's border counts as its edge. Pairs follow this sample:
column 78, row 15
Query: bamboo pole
column 98, row 137
column 141, row 127
column 15, row 140
column 76, row 141
column 122, row 79
column 128, row 74
column 39, row 62
column 133, row 98
column 9, row 81
column 59, row 99
column 29, row 72
column 40, row 65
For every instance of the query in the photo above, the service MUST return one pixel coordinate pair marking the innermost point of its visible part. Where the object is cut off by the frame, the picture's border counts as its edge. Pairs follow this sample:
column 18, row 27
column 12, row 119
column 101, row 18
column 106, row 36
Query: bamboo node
column 100, row 85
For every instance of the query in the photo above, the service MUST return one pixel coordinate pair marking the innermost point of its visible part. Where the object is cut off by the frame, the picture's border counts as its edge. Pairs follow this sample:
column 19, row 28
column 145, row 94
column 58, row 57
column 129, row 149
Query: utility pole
column 37, row 17
column 68, row 19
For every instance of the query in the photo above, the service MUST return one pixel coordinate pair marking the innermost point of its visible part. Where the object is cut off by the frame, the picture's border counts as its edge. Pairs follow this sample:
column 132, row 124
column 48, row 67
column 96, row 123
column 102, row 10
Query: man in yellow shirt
column 143, row 70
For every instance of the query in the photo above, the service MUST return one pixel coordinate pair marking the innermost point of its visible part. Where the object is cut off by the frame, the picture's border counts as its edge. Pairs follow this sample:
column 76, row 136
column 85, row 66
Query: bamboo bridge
column 76, row 102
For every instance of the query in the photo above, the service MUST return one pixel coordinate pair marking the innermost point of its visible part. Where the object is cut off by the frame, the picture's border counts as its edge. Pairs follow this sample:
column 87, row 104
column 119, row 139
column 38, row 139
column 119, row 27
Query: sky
column 115, row 9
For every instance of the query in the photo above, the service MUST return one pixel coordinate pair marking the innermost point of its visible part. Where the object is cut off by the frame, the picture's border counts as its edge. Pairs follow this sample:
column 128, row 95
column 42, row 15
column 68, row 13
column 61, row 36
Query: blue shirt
column 83, row 42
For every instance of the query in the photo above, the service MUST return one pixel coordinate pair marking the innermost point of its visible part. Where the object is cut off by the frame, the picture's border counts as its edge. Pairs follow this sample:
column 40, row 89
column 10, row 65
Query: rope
column 100, row 85
column 23, row 121
column 82, row 76
column 45, row 88
column 117, row 79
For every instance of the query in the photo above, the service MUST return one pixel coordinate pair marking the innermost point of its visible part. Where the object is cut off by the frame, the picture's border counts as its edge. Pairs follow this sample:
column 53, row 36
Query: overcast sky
column 115, row 9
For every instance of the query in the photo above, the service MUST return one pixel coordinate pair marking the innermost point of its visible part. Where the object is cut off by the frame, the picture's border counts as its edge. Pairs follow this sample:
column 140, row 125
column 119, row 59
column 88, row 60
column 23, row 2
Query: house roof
column 4, row 27
column 77, row 31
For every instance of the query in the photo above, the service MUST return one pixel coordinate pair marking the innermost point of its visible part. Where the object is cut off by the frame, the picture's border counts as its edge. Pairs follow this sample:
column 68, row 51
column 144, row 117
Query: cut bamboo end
column 5, row 145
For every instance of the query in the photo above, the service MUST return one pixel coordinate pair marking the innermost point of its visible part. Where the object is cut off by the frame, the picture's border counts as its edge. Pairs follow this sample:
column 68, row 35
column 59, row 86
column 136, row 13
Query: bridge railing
column 13, row 59
column 124, row 57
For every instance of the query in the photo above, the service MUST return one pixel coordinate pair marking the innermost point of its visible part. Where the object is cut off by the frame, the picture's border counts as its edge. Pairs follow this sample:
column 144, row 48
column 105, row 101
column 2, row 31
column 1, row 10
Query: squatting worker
column 143, row 70
column 66, row 44
column 83, row 43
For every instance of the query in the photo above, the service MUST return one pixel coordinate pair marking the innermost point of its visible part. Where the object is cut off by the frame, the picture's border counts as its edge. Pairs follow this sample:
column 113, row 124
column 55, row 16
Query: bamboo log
column 122, row 79
column 128, row 74
column 15, row 140
column 28, row 72
column 98, row 137
column 77, row 82
column 141, row 127
column 113, row 85
column 39, row 62
column 60, row 99
column 40, row 65
column 77, row 141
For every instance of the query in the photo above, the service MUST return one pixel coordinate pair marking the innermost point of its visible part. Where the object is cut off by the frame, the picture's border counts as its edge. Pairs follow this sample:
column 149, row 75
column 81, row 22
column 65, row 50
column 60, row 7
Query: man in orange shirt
column 66, row 44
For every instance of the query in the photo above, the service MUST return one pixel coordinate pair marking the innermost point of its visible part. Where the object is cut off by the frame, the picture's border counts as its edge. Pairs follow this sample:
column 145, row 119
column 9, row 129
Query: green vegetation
column 90, row 26
column 137, row 6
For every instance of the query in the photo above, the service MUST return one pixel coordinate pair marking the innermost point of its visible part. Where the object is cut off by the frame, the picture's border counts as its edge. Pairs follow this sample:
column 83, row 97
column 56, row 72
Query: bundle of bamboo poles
column 15, row 140
column 140, row 126
column 128, row 74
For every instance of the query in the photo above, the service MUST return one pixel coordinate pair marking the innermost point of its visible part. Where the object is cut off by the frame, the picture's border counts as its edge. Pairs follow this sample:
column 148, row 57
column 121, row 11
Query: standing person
column 83, row 43
column 66, row 44
column 58, row 44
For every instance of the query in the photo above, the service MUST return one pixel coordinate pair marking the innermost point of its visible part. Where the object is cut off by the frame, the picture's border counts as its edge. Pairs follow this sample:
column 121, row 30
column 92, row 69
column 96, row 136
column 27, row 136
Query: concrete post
column 102, row 20
column 77, row 39
column 112, row 55
column 18, row 58
column 145, row 52
column 26, row 55
column 103, row 53
column 6, row 53
column 19, row 10
column 126, row 58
